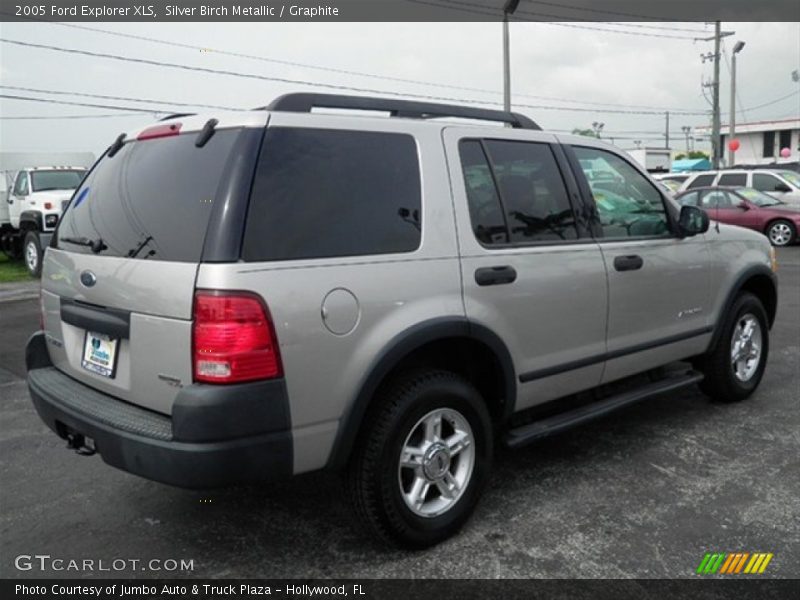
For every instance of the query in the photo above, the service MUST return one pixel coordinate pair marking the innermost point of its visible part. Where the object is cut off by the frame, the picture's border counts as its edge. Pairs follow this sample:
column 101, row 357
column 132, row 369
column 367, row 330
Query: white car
column 781, row 184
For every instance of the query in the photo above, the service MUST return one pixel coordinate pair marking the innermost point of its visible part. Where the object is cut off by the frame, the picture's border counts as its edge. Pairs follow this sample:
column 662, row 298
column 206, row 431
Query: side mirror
column 692, row 221
column 782, row 187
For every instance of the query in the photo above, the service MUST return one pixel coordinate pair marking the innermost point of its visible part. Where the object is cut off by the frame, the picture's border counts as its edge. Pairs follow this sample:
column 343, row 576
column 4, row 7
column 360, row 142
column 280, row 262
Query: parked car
column 783, row 185
column 749, row 208
column 253, row 295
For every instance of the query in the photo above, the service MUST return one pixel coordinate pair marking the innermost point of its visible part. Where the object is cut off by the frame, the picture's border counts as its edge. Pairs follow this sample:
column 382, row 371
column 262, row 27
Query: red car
column 749, row 208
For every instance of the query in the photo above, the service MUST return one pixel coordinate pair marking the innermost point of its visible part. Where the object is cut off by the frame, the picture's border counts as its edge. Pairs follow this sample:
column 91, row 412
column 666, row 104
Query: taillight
column 234, row 338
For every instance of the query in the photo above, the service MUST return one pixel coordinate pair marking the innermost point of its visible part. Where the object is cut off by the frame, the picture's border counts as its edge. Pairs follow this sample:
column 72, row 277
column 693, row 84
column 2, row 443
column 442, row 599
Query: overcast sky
column 586, row 67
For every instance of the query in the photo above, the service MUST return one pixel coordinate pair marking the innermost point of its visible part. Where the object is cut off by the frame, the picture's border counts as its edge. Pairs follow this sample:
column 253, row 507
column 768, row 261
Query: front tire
column 422, row 460
column 781, row 233
column 32, row 252
column 734, row 367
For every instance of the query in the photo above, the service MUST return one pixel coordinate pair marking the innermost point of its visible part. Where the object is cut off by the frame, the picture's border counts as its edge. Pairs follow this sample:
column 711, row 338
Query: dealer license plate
column 99, row 354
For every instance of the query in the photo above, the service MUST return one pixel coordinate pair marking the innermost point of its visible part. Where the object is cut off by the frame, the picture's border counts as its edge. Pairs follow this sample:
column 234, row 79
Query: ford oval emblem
column 88, row 278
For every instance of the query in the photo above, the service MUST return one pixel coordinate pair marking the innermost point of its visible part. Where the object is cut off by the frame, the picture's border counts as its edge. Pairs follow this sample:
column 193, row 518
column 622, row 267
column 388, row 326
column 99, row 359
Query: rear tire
column 781, row 233
column 734, row 367
column 412, row 484
column 32, row 253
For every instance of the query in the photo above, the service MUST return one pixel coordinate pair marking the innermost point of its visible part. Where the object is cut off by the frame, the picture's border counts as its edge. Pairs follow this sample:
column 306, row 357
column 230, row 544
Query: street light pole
column 686, row 129
column 508, row 9
column 732, row 131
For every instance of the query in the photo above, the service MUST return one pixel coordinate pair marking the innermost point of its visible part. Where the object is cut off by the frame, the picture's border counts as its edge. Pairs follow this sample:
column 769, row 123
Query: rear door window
column 701, row 180
column 733, row 179
column 151, row 200
column 322, row 193
column 515, row 192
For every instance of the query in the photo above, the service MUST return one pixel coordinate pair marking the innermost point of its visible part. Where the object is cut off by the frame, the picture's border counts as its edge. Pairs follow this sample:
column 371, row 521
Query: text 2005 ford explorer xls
column 256, row 295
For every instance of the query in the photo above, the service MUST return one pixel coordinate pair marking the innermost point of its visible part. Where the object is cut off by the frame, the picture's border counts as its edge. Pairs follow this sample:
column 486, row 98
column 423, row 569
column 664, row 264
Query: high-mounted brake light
column 159, row 131
column 234, row 338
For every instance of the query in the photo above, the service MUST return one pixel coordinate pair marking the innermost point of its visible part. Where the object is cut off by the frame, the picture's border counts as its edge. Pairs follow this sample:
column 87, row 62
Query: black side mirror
column 692, row 221
column 743, row 205
column 782, row 187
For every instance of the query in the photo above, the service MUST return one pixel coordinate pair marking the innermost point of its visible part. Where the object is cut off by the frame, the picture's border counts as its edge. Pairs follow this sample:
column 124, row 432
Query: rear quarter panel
column 324, row 371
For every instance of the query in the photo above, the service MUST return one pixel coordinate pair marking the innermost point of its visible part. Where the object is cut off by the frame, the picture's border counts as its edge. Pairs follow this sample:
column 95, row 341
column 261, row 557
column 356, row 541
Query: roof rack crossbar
column 305, row 102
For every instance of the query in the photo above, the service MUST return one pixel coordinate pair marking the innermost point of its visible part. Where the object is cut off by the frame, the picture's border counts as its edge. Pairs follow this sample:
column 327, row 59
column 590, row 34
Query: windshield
column 791, row 177
column 151, row 200
column 757, row 198
column 60, row 179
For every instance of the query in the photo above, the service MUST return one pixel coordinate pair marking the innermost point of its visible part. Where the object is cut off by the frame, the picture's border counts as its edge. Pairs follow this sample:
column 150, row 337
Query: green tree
column 585, row 132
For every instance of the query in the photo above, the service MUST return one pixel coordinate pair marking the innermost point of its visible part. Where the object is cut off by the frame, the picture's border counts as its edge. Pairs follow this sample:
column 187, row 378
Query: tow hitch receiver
column 81, row 444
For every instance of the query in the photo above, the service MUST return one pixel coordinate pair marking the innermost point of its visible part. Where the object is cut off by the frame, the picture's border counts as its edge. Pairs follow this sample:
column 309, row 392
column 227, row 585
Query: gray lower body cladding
column 217, row 435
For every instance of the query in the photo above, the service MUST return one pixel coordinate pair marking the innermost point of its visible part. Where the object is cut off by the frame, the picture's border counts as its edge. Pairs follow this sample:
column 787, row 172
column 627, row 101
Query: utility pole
column 666, row 132
column 732, row 130
column 508, row 9
column 716, row 152
column 686, row 129
column 715, row 127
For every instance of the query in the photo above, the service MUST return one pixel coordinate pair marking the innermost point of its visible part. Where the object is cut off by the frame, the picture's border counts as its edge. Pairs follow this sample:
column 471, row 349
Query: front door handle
column 631, row 262
column 495, row 275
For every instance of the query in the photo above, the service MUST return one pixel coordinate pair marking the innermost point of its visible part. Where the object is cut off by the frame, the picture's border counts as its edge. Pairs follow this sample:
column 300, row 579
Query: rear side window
column 151, row 200
column 515, row 192
column 765, row 183
column 733, row 179
column 322, row 193
column 701, row 180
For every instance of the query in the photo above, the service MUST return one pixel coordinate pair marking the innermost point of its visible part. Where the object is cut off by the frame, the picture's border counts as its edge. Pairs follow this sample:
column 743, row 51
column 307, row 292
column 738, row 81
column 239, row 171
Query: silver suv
column 267, row 293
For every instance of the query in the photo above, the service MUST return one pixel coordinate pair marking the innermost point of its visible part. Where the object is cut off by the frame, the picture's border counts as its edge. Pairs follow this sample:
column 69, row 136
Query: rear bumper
column 216, row 436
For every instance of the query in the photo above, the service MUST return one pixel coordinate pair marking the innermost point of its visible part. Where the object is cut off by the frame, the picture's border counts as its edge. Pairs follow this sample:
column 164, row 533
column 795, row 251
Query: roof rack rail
column 305, row 102
column 177, row 116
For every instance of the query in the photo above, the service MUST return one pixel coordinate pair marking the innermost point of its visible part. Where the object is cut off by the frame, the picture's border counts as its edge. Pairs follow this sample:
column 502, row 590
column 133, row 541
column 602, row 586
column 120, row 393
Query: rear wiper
column 96, row 246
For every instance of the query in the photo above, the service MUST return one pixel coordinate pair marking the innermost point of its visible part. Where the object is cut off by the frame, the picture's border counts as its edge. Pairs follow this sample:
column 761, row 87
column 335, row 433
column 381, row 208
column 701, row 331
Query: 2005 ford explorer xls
column 253, row 295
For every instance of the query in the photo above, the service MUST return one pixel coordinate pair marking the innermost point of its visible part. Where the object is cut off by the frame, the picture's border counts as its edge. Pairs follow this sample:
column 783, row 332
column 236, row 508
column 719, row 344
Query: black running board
column 557, row 423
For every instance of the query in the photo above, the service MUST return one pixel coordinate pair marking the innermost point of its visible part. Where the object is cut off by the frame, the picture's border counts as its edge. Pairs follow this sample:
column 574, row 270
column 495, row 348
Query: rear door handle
column 495, row 275
column 631, row 262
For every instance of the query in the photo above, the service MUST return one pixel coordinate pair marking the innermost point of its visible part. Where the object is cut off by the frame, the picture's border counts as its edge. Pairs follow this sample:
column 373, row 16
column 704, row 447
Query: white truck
column 33, row 198
column 655, row 160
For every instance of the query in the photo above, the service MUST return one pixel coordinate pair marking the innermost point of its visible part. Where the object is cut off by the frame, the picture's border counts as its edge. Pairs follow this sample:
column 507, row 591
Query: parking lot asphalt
column 643, row 493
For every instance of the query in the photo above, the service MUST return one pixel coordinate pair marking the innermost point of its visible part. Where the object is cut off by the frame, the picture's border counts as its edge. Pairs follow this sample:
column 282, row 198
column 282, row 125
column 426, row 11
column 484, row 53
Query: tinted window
column 764, row 182
column 151, row 200
column 769, row 144
column 785, row 139
column 532, row 191
column 733, row 179
column 322, row 193
column 701, row 180
column 627, row 203
column 55, row 180
column 485, row 210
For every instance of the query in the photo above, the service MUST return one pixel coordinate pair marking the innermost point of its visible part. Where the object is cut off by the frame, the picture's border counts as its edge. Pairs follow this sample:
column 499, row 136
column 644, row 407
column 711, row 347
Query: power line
column 60, row 117
column 350, row 72
column 325, row 85
column 68, row 103
column 105, row 97
column 480, row 9
column 611, row 12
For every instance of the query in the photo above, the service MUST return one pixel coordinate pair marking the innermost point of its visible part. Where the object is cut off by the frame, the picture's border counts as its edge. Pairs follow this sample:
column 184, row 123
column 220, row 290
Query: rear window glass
column 325, row 193
column 151, row 200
